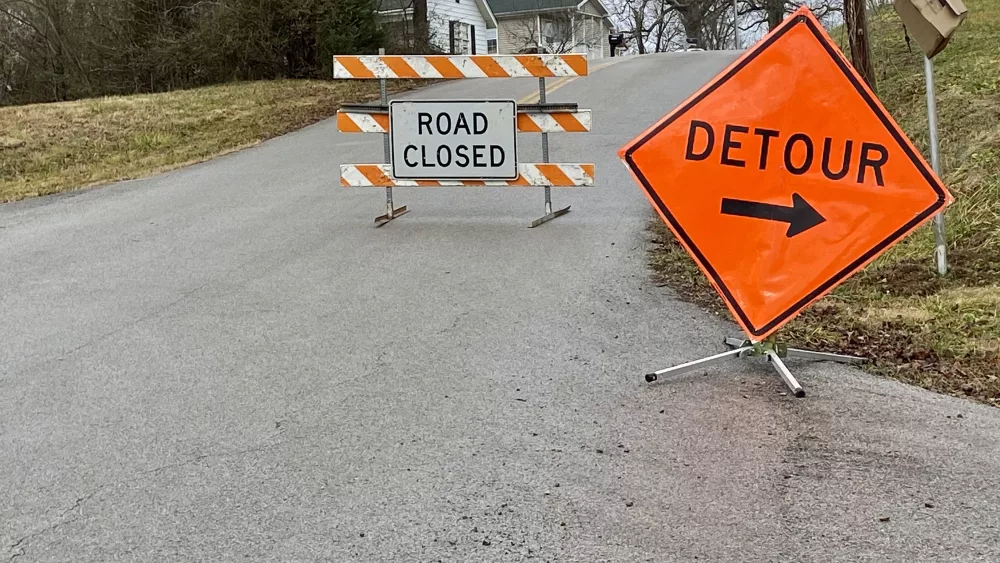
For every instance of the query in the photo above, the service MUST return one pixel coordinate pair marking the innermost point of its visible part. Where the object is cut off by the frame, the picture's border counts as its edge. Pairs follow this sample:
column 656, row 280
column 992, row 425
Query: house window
column 556, row 33
column 459, row 38
column 491, row 46
column 398, row 34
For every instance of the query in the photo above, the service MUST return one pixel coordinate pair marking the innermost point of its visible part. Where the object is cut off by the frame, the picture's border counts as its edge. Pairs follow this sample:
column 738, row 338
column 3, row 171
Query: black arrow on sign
column 800, row 216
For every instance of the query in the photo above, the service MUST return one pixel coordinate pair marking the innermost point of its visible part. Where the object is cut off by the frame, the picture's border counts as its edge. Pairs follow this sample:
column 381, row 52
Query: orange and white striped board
column 459, row 66
column 553, row 122
column 555, row 175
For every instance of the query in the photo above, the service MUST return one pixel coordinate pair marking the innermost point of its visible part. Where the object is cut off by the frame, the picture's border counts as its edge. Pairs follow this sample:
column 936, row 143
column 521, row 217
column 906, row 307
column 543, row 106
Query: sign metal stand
column 549, row 214
column 771, row 349
column 390, row 212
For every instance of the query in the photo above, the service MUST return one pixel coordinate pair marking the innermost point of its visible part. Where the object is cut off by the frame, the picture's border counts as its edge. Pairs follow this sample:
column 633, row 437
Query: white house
column 553, row 26
column 459, row 27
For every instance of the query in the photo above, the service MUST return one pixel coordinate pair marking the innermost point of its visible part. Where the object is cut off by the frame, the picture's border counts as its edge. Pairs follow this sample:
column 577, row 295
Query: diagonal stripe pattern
column 458, row 66
column 359, row 122
column 561, row 122
column 556, row 175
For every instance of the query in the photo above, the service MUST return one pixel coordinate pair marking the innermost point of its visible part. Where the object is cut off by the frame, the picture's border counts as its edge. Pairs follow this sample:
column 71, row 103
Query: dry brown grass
column 50, row 148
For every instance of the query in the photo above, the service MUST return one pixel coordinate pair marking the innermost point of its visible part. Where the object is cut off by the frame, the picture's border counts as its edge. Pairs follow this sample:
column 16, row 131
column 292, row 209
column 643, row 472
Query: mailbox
column 931, row 22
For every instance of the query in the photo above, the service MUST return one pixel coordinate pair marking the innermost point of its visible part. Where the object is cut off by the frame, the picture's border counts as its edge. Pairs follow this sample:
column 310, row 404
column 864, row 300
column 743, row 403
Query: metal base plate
column 383, row 219
column 549, row 217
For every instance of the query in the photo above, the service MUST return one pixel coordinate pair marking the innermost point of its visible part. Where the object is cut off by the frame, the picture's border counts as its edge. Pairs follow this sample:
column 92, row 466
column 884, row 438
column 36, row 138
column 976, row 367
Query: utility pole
column 856, row 19
column 736, row 26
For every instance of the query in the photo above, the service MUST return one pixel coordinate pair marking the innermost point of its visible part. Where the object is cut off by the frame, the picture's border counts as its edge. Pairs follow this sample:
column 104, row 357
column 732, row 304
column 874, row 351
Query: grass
column 942, row 333
column 50, row 148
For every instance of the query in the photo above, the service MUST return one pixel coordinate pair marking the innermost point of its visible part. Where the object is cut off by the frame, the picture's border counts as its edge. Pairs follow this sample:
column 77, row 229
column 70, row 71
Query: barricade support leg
column 549, row 214
column 390, row 211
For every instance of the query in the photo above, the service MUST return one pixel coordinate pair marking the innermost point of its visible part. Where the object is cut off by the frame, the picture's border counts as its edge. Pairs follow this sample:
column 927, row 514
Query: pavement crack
column 20, row 546
column 454, row 323
column 120, row 329
column 194, row 459
column 221, row 455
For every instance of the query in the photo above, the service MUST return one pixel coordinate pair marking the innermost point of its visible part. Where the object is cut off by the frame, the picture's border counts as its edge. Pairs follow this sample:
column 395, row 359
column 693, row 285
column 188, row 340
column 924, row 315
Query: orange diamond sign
column 784, row 176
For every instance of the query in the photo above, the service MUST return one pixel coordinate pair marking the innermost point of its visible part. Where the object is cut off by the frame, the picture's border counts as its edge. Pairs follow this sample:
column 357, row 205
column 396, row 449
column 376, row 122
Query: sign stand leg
column 786, row 375
column 698, row 364
column 771, row 349
column 390, row 212
column 549, row 214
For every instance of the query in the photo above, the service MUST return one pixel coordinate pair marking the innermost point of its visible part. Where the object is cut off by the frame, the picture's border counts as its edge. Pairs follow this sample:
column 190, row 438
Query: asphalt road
column 228, row 362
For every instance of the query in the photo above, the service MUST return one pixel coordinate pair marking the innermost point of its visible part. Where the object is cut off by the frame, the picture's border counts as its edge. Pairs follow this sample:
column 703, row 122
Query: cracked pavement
column 228, row 362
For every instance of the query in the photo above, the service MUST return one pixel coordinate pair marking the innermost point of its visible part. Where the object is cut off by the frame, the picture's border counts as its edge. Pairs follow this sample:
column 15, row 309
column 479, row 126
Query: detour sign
column 784, row 176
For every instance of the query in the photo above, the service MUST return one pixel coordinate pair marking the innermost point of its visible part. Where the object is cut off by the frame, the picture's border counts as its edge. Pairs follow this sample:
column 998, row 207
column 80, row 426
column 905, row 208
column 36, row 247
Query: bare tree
column 402, row 36
column 756, row 13
column 638, row 17
column 45, row 30
column 9, row 56
column 765, row 12
column 691, row 14
column 659, row 24
column 420, row 23
column 54, row 50
column 856, row 22
column 718, row 26
column 555, row 32
column 666, row 32
column 651, row 25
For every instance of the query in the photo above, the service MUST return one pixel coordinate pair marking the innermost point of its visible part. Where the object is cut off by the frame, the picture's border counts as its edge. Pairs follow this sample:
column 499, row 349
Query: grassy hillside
column 940, row 333
column 49, row 148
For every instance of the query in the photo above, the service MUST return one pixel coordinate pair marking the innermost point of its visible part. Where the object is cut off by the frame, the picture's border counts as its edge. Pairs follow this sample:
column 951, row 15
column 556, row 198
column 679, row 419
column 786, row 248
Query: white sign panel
column 453, row 140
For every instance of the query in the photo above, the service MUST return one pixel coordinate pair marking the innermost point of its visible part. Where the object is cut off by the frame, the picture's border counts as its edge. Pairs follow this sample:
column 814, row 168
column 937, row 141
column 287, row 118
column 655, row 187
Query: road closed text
column 454, row 140
column 462, row 155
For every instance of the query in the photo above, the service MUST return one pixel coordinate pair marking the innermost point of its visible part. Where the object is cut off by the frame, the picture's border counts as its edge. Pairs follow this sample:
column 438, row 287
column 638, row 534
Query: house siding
column 591, row 32
column 597, row 31
column 511, row 34
column 590, row 8
column 440, row 12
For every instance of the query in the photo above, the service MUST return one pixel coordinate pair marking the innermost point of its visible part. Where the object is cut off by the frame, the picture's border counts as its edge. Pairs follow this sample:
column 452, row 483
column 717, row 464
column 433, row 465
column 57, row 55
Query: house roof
column 504, row 7
column 391, row 5
column 510, row 6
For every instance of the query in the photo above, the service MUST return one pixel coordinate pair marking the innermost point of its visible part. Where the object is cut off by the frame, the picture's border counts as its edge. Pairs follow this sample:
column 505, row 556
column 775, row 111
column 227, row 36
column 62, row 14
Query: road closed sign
column 453, row 140
column 784, row 176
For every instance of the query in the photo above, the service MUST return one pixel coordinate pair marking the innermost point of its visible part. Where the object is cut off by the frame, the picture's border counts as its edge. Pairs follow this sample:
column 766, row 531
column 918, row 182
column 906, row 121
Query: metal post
column 545, row 146
column 549, row 214
column 383, row 97
column 390, row 212
column 941, row 247
column 736, row 26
